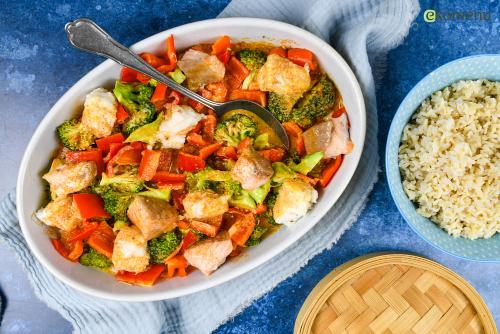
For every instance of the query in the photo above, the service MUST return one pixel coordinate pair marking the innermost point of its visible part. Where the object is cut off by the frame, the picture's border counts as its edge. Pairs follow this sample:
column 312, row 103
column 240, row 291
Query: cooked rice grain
column 449, row 158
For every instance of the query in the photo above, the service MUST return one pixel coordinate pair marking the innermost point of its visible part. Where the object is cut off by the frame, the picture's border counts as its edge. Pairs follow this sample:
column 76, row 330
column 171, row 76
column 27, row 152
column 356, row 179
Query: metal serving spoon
column 88, row 36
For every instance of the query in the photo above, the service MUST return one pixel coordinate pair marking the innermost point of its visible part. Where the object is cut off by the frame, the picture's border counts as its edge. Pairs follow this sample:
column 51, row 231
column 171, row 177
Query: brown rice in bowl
column 449, row 158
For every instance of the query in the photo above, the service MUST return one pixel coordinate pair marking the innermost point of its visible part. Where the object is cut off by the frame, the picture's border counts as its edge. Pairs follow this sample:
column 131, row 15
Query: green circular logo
column 430, row 15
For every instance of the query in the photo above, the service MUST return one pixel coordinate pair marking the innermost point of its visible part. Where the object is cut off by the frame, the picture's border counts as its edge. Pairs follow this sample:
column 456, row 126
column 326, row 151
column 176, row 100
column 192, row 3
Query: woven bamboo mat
column 394, row 294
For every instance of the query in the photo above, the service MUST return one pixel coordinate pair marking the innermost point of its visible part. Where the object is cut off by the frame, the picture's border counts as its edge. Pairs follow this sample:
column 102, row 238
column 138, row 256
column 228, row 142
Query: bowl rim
column 390, row 176
column 145, row 294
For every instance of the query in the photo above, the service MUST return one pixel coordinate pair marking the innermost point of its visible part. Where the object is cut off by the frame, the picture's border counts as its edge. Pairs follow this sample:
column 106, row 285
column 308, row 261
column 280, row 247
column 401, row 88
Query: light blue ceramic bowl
column 474, row 67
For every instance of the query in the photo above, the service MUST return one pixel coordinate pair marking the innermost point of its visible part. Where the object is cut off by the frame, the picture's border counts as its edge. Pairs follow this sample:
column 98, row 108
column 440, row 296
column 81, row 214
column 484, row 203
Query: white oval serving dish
column 30, row 187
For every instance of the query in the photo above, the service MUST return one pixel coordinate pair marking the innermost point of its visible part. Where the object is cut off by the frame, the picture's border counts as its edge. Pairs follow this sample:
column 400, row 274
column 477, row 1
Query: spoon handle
column 88, row 36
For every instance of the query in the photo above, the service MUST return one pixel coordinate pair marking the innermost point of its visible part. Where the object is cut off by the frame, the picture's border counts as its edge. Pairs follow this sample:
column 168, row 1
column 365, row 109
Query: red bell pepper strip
column 171, row 56
column 113, row 149
column 146, row 278
column 207, row 151
column 224, row 56
column 251, row 95
column 227, row 152
column 84, row 232
column 153, row 60
column 160, row 93
column 90, row 206
column 189, row 163
column 76, row 250
column 102, row 240
column 143, row 78
column 175, row 97
column 273, row 154
column 121, row 114
column 73, row 254
column 301, row 57
column 128, row 75
column 162, row 176
column 238, row 70
column 189, row 239
column 127, row 155
column 59, row 247
column 90, row 155
column 196, row 105
column 278, row 51
column 221, row 45
column 103, row 143
column 149, row 164
column 139, row 145
column 338, row 112
column 330, row 170
column 177, row 263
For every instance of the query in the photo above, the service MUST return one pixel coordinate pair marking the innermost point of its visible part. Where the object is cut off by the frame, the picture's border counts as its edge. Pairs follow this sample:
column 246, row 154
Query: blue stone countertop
column 37, row 65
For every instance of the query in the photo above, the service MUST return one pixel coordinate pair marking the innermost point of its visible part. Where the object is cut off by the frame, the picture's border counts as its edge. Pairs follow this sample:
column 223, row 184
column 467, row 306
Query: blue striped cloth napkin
column 362, row 31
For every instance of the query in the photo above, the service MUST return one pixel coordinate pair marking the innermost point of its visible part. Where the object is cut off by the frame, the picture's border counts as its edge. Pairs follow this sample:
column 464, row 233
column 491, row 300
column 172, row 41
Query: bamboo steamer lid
column 393, row 294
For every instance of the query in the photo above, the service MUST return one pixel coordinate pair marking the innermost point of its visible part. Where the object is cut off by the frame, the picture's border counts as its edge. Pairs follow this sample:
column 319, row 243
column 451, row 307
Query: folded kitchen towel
column 362, row 31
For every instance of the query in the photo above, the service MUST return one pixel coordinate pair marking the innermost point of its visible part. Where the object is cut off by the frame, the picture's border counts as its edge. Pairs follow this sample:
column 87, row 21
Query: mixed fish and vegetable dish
column 148, row 184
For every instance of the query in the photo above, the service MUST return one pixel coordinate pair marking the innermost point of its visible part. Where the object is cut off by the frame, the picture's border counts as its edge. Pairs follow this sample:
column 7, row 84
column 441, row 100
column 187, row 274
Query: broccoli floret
column 281, row 106
column 308, row 163
column 135, row 98
column 243, row 200
column 95, row 259
column 217, row 180
column 74, row 136
column 281, row 172
column 259, row 194
column 235, row 129
column 116, row 204
column 128, row 182
column 262, row 141
column 252, row 59
column 256, row 236
column 160, row 248
column 316, row 103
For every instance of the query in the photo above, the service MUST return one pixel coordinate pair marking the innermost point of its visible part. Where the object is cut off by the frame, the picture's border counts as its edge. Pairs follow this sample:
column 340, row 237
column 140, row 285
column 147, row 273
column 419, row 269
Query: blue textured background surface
column 37, row 65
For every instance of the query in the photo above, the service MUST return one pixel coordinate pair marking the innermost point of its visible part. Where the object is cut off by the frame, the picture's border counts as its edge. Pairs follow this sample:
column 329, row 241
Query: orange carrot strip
column 301, row 57
column 330, row 170
column 160, row 93
column 149, row 164
column 153, row 60
column 207, row 151
column 177, row 263
column 273, row 154
column 278, row 51
column 221, row 45
column 251, row 95
column 146, row 278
